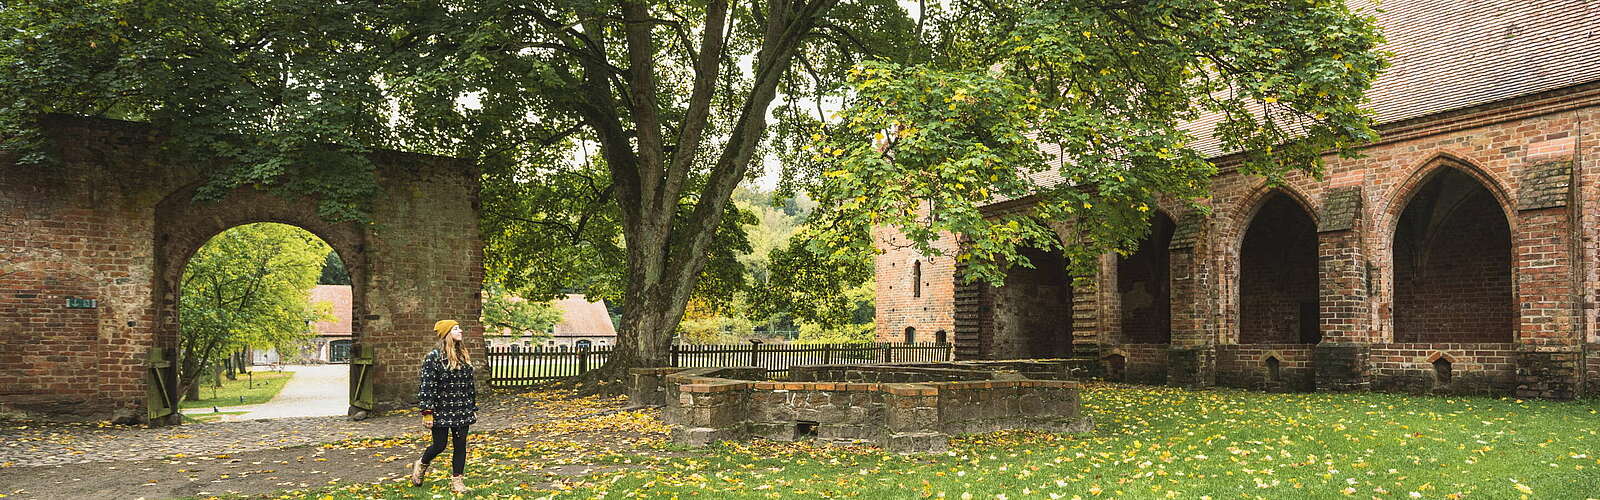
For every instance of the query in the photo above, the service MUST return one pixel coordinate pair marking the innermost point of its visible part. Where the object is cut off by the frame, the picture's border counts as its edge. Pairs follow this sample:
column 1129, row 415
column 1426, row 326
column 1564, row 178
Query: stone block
column 917, row 442
column 775, row 431
column 1341, row 367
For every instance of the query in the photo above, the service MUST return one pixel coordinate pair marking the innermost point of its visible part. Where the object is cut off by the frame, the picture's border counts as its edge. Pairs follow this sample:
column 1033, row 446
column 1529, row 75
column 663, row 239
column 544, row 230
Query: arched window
column 916, row 279
column 911, row 335
column 940, row 337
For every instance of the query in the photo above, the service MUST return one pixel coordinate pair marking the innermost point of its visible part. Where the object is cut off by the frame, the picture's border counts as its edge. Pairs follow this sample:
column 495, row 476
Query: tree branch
column 691, row 135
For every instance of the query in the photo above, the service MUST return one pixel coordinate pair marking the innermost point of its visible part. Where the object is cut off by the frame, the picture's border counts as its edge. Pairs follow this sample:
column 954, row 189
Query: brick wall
column 115, row 224
column 1474, row 368
column 1141, row 363
column 899, row 305
column 1246, row 366
column 55, row 349
column 1591, row 356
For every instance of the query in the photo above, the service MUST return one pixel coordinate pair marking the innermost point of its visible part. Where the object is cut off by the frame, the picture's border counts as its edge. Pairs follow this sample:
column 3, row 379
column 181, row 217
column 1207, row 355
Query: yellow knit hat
column 443, row 327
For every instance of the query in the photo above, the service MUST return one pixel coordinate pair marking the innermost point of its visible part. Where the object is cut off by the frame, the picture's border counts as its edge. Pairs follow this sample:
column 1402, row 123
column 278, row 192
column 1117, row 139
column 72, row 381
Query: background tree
column 248, row 287
column 645, row 115
column 507, row 314
column 333, row 271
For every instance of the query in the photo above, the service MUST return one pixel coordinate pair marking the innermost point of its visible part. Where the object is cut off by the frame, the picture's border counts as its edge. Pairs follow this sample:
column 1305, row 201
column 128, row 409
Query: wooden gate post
column 363, row 359
column 161, row 386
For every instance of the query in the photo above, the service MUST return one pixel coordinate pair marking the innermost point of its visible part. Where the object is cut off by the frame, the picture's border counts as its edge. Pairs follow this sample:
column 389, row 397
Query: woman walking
column 447, row 396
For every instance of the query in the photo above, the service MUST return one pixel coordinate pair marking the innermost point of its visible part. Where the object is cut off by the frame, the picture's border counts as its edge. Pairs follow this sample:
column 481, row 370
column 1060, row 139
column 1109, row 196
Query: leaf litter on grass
column 1152, row 442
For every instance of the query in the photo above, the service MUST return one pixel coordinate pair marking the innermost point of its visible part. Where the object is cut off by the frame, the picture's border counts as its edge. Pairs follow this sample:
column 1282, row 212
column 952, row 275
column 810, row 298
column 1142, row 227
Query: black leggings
column 458, row 452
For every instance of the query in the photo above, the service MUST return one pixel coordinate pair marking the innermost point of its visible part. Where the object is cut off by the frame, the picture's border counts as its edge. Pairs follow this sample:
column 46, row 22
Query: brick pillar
column 1191, row 359
column 1549, row 337
column 1086, row 323
column 1340, row 360
column 970, row 312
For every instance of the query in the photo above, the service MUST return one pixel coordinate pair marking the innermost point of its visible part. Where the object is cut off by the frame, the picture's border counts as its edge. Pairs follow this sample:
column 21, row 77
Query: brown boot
column 459, row 487
column 418, row 469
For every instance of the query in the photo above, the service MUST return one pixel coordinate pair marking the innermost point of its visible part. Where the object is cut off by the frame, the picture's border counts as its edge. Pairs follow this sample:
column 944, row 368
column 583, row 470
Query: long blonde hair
column 455, row 352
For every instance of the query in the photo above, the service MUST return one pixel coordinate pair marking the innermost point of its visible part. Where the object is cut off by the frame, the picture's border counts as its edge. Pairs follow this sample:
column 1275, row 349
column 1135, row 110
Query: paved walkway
column 32, row 444
column 315, row 391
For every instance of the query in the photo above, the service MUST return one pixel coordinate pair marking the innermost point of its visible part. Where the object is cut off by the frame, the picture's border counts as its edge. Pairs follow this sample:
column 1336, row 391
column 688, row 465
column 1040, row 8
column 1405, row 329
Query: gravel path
column 314, row 391
column 30, row 444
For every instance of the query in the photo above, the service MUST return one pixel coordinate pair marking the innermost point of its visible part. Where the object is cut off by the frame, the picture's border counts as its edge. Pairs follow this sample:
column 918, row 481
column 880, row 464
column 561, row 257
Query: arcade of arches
column 93, row 250
column 1432, row 275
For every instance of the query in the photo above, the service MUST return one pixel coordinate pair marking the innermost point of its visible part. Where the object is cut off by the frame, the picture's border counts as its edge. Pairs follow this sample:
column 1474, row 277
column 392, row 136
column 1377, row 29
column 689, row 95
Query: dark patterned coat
column 451, row 394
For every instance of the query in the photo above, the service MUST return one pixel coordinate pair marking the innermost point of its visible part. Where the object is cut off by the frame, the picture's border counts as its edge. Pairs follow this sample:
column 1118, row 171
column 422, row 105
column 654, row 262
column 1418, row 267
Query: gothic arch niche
column 1278, row 275
column 1144, row 287
column 1452, row 263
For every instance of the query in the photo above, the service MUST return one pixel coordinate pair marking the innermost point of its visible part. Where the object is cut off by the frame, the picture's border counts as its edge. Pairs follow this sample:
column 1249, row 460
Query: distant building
column 331, row 343
column 583, row 324
column 333, row 338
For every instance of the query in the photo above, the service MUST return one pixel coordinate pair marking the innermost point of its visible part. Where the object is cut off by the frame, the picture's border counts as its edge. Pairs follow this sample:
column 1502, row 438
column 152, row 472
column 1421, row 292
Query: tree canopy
column 612, row 133
column 249, row 286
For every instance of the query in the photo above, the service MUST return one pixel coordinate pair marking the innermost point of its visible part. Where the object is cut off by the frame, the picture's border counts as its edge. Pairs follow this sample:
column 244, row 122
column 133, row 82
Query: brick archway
column 116, row 224
column 182, row 226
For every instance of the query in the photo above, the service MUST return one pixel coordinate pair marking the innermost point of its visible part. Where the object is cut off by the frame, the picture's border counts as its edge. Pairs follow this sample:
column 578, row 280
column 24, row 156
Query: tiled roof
column 1453, row 54
column 339, row 296
column 581, row 318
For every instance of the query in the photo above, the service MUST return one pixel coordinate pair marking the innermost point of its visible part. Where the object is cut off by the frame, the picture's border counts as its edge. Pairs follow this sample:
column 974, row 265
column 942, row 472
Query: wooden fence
column 521, row 366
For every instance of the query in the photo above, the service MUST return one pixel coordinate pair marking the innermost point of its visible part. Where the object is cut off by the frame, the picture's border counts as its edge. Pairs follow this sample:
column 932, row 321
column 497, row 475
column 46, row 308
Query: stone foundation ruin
column 906, row 408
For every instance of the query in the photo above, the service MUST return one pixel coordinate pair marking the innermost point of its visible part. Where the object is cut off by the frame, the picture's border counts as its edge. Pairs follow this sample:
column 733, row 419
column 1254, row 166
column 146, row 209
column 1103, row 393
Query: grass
column 266, row 385
column 1151, row 442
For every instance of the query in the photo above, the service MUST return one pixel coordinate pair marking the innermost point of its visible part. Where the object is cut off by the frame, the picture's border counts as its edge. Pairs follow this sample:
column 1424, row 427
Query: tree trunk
column 190, row 381
column 665, row 255
column 227, row 366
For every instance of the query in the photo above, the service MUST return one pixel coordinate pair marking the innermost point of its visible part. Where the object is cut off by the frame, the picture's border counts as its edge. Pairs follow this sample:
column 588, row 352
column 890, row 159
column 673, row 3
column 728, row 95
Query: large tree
column 248, row 287
column 644, row 115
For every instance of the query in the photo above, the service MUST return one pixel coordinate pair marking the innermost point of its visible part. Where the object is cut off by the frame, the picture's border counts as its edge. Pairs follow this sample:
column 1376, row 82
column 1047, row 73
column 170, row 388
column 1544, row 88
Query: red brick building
column 1458, row 255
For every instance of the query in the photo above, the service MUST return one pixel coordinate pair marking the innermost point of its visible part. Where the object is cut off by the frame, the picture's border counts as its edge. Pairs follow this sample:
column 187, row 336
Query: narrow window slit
column 1115, row 365
column 805, row 429
column 1442, row 372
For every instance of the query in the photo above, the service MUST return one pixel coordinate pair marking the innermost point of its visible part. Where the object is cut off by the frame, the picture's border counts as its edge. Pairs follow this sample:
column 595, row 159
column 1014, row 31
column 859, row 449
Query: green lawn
column 1151, row 442
column 266, row 385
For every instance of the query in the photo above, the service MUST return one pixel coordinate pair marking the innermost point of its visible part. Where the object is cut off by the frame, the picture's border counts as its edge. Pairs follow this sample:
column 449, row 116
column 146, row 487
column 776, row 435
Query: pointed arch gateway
column 1452, row 263
column 1278, row 275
